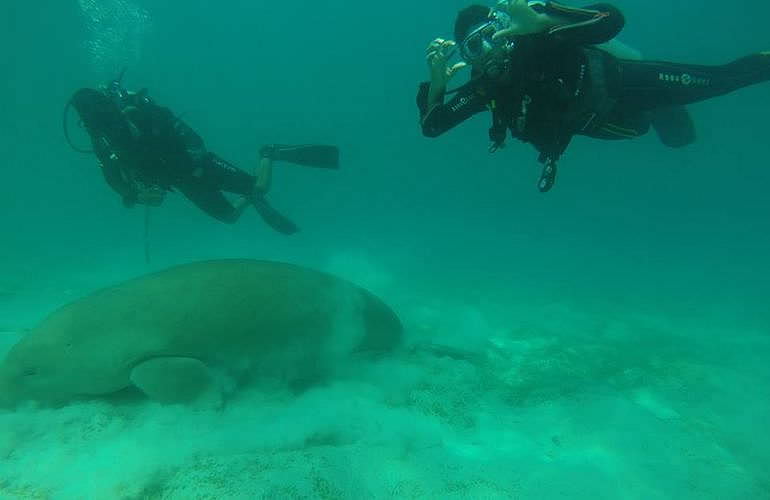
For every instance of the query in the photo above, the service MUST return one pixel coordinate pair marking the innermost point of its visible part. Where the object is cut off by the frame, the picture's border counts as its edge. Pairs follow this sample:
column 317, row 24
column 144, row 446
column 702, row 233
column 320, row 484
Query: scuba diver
column 541, row 70
column 144, row 151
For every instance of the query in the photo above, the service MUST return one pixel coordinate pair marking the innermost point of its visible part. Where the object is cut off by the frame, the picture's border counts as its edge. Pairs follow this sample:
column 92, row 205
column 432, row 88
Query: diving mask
column 479, row 44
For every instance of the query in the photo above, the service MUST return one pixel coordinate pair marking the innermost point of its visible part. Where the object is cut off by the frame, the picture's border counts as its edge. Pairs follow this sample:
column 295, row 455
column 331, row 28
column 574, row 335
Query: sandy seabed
column 490, row 398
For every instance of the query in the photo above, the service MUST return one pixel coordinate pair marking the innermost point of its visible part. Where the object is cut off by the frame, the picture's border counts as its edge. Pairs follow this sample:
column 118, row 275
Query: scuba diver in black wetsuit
column 539, row 67
column 145, row 151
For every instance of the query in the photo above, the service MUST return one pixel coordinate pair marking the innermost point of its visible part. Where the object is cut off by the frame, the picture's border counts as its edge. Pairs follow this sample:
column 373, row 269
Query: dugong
column 167, row 333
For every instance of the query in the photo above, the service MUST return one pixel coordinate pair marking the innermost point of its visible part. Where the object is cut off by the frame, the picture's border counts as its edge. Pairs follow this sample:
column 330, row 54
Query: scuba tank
column 100, row 114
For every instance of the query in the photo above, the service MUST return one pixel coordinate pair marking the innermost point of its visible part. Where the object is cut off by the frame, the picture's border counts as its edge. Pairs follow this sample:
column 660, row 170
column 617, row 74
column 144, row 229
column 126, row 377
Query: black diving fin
column 674, row 126
column 272, row 217
column 308, row 155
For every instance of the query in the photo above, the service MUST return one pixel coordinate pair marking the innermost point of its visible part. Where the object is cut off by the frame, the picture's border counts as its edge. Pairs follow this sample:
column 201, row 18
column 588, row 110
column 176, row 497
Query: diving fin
column 272, row 217
column 674, row 126
column 308, row 155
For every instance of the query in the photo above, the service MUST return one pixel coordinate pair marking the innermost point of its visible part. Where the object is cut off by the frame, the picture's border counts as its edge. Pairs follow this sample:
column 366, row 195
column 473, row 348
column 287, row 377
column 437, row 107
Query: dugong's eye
column 28, row 372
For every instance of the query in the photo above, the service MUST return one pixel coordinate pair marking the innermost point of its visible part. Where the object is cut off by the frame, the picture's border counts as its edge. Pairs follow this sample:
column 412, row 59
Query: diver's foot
column 547, row 177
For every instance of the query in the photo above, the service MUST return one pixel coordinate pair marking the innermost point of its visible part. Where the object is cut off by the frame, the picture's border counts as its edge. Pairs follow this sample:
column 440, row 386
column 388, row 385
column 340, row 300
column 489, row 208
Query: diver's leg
column 217, row 174
column 264, row 176
column 673, row 125
column 620, row 50
column 308, row 155
column 228, row 177
column 622, row 123
column 211, row 201
column 270, row 215
column 222, row 175
column 193, row 143
column 648, row 85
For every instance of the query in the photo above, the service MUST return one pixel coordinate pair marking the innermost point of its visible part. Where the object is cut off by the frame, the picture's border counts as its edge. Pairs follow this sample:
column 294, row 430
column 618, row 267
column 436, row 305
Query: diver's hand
column 438, row 53
column 524, row 19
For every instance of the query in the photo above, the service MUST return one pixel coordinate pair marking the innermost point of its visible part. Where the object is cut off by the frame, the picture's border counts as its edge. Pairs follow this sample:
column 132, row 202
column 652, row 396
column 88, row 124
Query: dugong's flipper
column 176, row 380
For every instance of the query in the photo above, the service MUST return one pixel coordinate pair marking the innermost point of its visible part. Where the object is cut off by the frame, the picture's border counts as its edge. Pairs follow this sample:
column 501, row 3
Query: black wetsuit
column 152, row 147
column 557, row 84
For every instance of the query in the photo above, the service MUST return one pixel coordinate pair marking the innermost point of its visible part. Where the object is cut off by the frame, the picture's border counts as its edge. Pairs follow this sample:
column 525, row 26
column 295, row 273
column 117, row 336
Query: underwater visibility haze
column 607, row 339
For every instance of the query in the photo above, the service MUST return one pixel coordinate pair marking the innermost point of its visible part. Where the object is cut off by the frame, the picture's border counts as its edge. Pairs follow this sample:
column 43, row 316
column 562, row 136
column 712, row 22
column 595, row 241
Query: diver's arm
column 118, row 184
column 597, row 23
column 264, row 176
column 110, row 163
column 435, row 116
column 528, row 18
column 439, row 118
column 589, row 25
